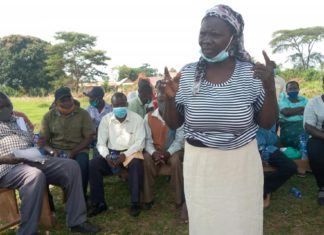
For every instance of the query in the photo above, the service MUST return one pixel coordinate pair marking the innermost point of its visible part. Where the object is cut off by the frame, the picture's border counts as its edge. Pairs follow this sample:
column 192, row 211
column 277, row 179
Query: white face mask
column 221, row 56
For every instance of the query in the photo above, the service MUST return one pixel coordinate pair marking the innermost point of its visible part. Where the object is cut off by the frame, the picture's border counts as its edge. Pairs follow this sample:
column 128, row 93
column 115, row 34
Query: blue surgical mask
column 221, row 56
column 120, row 112
column 293, row 94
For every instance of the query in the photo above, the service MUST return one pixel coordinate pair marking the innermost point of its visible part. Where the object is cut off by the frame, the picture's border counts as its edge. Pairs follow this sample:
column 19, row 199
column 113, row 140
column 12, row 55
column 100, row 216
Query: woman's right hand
column 169, row 85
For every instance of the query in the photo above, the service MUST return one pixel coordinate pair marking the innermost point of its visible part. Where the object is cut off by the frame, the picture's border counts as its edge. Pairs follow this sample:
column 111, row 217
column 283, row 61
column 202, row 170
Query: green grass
column 286, row 215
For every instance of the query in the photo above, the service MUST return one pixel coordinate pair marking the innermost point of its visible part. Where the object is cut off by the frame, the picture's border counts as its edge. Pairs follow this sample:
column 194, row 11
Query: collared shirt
column 12, row 137
column 314, row 113
column 286, row 103
column 96, row 116
column 176, row 145
column 66, row 132
column 136, row 106
column 112, row 134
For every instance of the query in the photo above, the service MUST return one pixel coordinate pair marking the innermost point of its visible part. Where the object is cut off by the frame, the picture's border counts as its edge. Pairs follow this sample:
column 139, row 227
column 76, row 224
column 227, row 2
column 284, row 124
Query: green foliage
column 300, row 42
column 74, row 57
column 37, row 91
column 12, row 91
column 132, row 73
column 22, row 60
column 308, row 75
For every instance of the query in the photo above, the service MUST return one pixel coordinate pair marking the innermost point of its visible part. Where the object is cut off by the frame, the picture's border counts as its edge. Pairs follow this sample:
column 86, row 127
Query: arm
column 149, row 147
column 103, row 137
column 169, row 87
column 88, row 131
column 268, row 114
column 178, row 142
column 11, row 160
column 292, row 111
column 313, row 131
column 139, row 142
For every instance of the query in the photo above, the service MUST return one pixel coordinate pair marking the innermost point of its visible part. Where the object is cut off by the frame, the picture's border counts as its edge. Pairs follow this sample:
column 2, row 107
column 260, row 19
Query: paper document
column 32, row 154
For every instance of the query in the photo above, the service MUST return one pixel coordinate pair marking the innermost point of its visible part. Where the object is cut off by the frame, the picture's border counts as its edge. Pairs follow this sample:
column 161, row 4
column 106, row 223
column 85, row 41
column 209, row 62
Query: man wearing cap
column 30, row 178
column 97, row 109
column 67, row 131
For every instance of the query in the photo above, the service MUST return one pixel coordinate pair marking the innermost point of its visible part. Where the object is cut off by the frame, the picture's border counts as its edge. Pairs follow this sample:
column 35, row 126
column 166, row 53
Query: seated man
column 30, row 178
column 284, row 167
column 162, row 146
column 123, row 133
column 97, row 109
column 67, row 131
column 142, row 103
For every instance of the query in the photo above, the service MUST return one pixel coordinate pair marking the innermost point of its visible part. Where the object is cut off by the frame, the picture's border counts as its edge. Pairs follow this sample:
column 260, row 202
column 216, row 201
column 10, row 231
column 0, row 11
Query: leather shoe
column 97, row 209
column 85, row 227
column 135, row 210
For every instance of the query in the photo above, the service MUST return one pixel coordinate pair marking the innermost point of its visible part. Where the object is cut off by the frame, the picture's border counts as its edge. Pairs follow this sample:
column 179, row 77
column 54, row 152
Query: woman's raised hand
column 264, row 72
column 169, row 86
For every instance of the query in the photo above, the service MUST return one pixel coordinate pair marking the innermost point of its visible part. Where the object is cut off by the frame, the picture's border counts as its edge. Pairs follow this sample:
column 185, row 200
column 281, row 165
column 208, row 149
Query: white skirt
column 224, row 190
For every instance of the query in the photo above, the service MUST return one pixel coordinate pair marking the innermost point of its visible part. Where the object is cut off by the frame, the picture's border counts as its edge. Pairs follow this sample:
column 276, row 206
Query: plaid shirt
column 11, row 138
column 96, row 116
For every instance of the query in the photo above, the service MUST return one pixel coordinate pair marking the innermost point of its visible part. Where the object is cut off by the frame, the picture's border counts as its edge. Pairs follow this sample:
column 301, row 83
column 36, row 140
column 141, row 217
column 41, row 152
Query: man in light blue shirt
column 97, row 109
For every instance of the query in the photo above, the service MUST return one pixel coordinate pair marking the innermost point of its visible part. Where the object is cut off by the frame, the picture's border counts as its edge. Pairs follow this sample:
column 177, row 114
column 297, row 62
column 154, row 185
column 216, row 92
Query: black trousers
column 315, row 150
column 285, row 168
column 99, row 168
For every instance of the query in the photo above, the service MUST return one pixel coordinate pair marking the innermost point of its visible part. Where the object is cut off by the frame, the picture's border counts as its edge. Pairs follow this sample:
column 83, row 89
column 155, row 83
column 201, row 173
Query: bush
column 307, row 75
column 41, row 92
column 11, row 91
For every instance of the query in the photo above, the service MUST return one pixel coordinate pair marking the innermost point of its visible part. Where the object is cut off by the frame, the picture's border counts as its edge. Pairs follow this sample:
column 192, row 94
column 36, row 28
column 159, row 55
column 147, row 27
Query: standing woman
column 221, row 99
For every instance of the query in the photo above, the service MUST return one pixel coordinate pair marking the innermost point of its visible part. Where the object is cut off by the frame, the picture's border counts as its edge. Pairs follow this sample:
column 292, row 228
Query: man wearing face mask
column 291, row 116
column 162, row 146
column 121, row 140
column 30, row 178
column 67, row 131
column 142, row 103
column 97, row 109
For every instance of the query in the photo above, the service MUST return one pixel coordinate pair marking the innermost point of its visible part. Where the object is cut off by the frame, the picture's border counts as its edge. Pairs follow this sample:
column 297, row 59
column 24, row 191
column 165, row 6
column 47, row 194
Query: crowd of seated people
column 141, row 142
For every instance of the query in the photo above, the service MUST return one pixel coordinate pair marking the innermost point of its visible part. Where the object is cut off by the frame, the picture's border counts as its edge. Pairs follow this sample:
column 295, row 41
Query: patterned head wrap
column 237, row 49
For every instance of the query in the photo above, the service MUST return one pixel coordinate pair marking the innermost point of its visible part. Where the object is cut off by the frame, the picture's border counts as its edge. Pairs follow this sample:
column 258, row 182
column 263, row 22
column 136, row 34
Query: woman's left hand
column 264, row 72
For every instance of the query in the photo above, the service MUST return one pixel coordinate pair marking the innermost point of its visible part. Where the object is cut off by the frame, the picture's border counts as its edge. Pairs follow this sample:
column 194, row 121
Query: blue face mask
column 221, row 56
column 94, row 103
column 293, row 94
column 120, row 112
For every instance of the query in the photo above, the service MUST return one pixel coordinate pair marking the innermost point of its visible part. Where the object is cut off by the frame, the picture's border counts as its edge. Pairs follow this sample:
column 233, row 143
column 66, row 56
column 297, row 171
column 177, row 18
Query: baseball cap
column 62, row 92
column 96, row 91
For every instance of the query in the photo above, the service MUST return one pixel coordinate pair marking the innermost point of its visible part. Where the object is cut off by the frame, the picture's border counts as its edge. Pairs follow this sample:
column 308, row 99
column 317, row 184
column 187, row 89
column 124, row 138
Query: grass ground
column 286, row 215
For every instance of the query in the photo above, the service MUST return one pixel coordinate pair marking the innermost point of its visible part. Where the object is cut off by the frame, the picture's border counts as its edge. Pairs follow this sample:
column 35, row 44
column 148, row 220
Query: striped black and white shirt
column 221, row 116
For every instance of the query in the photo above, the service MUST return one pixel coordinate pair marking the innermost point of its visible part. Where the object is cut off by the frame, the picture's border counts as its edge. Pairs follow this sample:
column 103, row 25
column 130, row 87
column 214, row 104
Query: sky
column 160, row 33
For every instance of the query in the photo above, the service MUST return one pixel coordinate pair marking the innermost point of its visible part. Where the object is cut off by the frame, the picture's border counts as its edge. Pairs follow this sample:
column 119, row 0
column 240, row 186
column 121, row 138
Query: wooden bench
column 9, row 213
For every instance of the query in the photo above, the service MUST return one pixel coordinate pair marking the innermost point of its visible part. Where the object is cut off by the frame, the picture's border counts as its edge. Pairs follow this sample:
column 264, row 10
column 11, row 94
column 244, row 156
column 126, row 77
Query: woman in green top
column 291, row 116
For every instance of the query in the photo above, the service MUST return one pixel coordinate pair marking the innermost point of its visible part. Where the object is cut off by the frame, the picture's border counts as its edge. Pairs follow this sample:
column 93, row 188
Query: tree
column 22, row 62
column 300, row 42
column 74, row 59
column 132, row 73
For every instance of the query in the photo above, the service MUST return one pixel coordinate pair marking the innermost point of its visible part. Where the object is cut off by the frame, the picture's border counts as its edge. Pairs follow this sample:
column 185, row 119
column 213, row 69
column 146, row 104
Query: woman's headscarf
column 236, row 21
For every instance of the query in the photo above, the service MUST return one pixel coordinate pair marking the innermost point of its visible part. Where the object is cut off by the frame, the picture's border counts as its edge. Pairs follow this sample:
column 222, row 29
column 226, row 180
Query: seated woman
column 314, row 125
column 291, row 116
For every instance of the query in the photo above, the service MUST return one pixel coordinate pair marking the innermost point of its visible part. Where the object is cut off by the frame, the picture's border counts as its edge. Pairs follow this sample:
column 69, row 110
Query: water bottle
column 113, row 156
column 296, row 192
column 62, row 154
column 303, row 146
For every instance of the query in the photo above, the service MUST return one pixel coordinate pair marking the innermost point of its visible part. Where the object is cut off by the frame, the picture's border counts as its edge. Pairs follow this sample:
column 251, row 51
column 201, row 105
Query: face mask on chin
column 65, row 111
column 221, row 56
column 5, row 114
